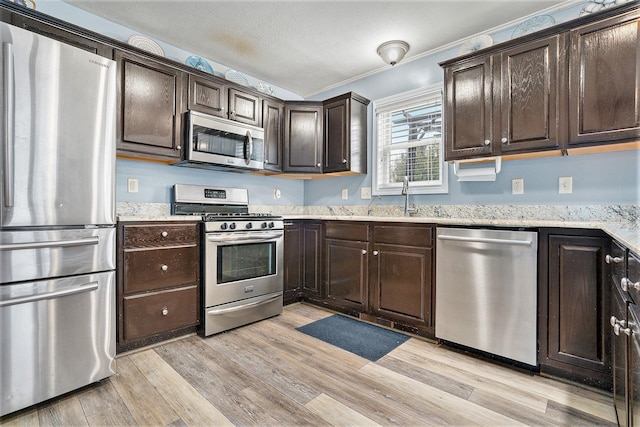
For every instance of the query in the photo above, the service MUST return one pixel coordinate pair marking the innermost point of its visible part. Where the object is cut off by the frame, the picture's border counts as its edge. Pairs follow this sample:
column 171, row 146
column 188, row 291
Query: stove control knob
column 263, row 225
column 223, row 226
column 271, row 224
column 232, row 226
column 249, row 226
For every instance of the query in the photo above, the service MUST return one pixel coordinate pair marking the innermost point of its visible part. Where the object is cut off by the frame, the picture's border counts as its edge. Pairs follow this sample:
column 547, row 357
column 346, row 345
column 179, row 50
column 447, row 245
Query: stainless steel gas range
column 242, row 256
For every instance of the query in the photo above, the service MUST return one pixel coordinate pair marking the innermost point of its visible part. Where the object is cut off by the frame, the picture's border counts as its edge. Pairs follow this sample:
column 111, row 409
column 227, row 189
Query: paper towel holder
column 480, row 173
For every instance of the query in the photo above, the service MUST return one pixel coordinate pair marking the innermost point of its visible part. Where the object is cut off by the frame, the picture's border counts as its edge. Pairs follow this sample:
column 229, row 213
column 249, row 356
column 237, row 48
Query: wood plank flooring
column 269, row 374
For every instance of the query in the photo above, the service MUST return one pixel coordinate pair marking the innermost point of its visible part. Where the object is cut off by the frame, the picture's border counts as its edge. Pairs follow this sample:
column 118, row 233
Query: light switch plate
column 565, row 185
column 517, row 186
column 345, row 194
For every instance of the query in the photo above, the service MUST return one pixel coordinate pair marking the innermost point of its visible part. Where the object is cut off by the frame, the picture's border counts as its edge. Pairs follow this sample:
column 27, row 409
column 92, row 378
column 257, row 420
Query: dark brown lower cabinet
column 574, row 306
column 401, row 275
column 302, row 261
column 158, row 291
column 381, row 272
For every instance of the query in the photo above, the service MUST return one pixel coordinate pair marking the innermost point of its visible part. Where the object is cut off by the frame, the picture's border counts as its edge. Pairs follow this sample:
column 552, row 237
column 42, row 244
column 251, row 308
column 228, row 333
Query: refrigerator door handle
column 8, row 104
column 87, row 287
column 51, row 244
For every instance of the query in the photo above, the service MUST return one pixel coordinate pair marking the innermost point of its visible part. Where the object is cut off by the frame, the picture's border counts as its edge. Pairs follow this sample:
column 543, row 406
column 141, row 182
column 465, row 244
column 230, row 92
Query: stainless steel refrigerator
column 57, row 217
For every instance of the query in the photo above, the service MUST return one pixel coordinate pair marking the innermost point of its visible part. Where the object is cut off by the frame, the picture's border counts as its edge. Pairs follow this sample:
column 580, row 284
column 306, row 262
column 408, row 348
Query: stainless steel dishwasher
column 486, row 291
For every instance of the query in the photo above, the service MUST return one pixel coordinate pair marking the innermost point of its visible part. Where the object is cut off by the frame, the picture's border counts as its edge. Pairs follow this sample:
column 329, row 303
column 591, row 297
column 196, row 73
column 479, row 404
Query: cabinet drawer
column 144, row 269
column 405, row 235
column 142, row 235
column 347, row 231
column 145, row 315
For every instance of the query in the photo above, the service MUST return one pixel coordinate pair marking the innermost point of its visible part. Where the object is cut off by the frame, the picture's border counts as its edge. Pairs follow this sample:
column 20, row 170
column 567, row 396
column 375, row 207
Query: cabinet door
column 293, row 252
column 149, row 103
column 273, row 121
column 578, row 308
column 245, row 108
column 336, row 136
column 62, row 35
column 529, row 92
column 633, row 368
column 312, row 270
column 303, row 138
column 468, row 109
column 207, row 96
column 619, row 355
column 604, row 81
column 347, row 273
column 402, row 283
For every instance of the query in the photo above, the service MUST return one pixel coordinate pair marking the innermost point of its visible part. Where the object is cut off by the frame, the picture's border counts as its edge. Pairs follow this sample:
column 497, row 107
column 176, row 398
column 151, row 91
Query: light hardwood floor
column 269, row 374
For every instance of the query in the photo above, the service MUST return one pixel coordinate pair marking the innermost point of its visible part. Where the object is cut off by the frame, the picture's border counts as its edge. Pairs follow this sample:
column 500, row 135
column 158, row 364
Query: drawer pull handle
column 165, row 311
column 375, row 253
column 364, row 252
column 627, row 284
column 164, row 234
column 164, row 267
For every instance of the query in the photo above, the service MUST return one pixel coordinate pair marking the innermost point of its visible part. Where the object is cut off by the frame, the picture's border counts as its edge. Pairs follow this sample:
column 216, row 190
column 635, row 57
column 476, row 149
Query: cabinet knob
column 610, row 259
column 375, row 253
column 344, row 161
column 364, row 252
column 232, row 113
column 164, row 267
column 615, row 321
column 318, row 165
column 617, row 329
column 164, row 234
column 178, row 147
column 627, row 284
column 504, row 140
column 487, row 142
column 165, row 311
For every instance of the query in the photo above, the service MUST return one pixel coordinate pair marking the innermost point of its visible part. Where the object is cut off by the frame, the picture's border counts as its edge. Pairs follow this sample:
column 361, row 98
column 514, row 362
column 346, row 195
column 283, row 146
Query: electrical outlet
column 365, row 193
column 345, row 194
column 132, row 185
column 277, row 194
column 517, row 186
column 565, row 185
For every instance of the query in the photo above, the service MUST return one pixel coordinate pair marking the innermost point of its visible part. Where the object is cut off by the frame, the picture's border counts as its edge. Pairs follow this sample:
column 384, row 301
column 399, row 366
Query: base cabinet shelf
column 158, row 290
column 574, row 307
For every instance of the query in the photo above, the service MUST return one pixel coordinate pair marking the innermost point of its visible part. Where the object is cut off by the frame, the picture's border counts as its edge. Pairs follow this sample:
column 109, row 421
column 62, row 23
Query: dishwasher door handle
column 486, row 240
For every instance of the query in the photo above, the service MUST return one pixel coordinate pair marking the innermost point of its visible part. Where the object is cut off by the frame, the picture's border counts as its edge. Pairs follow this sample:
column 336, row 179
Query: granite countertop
column 627, row 233
column 621, row 222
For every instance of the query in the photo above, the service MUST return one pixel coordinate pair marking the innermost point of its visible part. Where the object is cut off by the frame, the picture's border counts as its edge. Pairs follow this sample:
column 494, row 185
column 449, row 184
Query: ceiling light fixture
column 393, row 51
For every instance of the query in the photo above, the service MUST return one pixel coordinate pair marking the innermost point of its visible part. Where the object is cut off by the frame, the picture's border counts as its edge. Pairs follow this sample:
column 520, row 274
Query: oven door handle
column 234, row 237
column 217, row 312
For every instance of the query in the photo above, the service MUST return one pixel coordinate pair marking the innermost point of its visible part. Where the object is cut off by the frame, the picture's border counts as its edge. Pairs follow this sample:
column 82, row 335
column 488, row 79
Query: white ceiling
column 309, row 46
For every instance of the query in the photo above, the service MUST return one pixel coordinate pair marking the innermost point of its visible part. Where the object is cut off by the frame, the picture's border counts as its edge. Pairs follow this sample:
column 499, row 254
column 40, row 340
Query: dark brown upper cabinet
column 571, row 85
column 303, row 137
column 468, row 109
column 245, row 107
column 530, row 96
column 345, row 134
column 207, row 96
column 273, row 123
column 604, row 81
column 149, row 116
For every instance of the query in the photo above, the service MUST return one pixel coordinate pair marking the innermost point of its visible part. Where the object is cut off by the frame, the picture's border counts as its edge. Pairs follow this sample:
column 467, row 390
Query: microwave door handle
column 248, row 147
column 8, row 83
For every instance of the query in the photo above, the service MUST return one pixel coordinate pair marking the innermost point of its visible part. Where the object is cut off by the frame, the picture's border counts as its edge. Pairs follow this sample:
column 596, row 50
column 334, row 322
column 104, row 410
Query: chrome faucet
column 405, row 192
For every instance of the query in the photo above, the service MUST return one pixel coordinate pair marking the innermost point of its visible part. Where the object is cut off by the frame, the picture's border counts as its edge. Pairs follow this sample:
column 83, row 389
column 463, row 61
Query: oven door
column 242, row 265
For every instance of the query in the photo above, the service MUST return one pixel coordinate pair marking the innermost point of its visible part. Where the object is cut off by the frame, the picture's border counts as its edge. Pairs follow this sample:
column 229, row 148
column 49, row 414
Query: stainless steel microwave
column 216, row 143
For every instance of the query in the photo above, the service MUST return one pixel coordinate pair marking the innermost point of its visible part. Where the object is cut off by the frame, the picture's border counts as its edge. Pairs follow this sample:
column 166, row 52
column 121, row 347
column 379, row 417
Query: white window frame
column 400, row 101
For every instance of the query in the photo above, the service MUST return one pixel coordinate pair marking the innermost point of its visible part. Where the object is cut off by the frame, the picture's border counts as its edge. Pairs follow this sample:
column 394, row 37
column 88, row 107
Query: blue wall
column 609, row 178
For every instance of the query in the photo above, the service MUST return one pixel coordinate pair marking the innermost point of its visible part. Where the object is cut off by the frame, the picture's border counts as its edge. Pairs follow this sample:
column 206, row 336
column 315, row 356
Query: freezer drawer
column 56, row 336
column 34, row 255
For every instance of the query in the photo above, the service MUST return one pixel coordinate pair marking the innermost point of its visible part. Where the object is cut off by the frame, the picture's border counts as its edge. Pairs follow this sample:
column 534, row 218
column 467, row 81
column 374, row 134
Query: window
column 408, row 142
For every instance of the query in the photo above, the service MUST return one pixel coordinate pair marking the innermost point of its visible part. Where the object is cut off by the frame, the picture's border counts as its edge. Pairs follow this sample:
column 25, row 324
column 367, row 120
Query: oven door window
column 246, row 261
column 227, row 144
